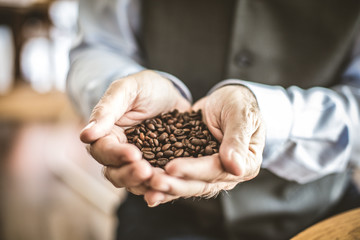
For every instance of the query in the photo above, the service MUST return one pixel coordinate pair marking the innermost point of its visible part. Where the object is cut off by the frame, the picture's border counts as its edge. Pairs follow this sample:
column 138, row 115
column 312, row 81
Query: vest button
column 243, row 59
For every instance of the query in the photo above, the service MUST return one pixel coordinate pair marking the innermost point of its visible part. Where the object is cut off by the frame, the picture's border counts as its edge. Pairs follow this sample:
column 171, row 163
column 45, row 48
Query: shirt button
column 243, row 59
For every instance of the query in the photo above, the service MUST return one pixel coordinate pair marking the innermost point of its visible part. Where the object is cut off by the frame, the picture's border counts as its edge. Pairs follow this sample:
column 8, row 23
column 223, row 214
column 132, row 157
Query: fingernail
column 158, row 200
column 90, row 124
column 154, row 204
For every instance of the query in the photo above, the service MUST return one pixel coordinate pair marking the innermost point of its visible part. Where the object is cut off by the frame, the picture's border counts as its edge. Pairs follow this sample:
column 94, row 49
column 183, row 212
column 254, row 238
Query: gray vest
column 280, row 42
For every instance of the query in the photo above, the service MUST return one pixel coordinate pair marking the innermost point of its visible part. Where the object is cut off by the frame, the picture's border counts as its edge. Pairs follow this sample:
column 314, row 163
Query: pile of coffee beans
column 171, row 135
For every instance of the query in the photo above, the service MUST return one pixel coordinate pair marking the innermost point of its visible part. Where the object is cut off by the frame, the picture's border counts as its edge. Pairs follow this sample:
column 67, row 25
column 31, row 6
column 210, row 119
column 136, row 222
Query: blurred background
column 50, row 187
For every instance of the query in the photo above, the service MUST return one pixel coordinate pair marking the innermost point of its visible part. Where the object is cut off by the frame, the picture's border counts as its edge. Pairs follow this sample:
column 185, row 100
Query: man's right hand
column 128, row 101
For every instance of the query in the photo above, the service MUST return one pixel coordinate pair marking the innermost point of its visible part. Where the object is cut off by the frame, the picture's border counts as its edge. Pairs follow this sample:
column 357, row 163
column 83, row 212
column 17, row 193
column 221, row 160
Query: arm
column 107, row 83
column 310, row 133
column 102, row 53
column 106, row 50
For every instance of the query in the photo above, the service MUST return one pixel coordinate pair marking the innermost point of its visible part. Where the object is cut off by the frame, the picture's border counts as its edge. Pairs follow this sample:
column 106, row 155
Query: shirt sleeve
column 310, row 133
column 106, row 49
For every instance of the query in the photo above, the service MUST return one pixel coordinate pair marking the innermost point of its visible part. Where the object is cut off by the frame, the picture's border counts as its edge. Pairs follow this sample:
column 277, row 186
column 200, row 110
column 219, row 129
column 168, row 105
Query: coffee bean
column 208, row 150
column 163, row 137
column 166, row 147
column 137, row 131
column 181, row 137
column 168, row 153
column 161, row 129
column 167, row 129
column 129, row 131
column 149, row 155
column 162, row 161
column 142, row 136
column 171, row 135
column 140, row 142
column 178, row 145
column 197, row 148
column 152, row 135
column 150, row 126
column 196, row 142
column 179, row 152
column 179, row 132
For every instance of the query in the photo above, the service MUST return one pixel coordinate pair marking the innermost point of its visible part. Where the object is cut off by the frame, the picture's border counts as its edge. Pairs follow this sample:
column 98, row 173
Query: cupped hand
column 126, row 102
column 233, row 117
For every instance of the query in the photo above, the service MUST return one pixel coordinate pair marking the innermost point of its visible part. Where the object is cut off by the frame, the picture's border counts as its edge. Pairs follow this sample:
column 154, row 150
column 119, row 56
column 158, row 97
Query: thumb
column 234, row 148
column 112, row 106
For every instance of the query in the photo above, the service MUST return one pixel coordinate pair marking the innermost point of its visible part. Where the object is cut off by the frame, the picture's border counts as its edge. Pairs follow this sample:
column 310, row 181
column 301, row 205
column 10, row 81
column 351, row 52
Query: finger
column 109, row 109
column 155, row 198
column 109, row 151
column 208, row 169
column 138, row 190
column 129, row 175
column 182, row 188
column 256, row 148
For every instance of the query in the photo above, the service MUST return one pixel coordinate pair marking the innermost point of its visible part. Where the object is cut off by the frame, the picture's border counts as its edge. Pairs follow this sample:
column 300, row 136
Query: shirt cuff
column 181, row 87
